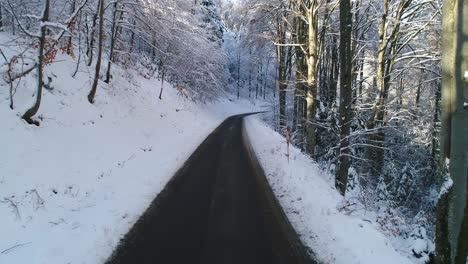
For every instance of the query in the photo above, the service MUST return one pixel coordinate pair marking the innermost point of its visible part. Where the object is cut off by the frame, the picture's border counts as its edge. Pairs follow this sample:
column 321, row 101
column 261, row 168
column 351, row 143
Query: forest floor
column 338, row 230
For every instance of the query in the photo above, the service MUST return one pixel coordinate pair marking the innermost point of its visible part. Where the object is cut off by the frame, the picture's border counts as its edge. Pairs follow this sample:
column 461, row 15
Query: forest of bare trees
column 369, row 89
column 170, row 39
column 360, row 85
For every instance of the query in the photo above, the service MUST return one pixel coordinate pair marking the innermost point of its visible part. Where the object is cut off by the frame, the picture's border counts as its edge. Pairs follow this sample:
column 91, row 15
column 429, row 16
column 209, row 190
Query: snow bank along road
column 217, row 209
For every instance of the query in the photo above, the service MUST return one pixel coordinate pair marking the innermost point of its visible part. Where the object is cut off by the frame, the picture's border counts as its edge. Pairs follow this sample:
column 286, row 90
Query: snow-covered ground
column 71, row 188
column 316, row 210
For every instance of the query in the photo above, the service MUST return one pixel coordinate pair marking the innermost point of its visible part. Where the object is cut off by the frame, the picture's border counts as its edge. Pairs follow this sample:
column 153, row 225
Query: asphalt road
column 218, row 209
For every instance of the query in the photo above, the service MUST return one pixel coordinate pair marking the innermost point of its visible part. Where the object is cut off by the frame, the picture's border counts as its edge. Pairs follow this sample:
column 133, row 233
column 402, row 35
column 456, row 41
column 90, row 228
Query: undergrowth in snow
column 337, row 230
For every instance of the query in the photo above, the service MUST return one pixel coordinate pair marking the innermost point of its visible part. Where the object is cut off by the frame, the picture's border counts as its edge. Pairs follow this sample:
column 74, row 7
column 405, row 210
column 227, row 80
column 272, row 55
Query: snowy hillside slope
column 72, row 187
column 319, row 214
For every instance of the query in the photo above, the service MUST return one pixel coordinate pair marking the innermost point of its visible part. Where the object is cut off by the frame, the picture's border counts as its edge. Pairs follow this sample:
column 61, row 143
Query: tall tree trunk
column 163, row 75
column 40, row 68
column 295, row 110
column 265, row 78
column 1, row 17
column 334, row 73
column 114, row 29
column 92, row 93
column 311, row 15
column 361, row 77
column 346, row 79
column 70, row 44
column 87, row 34
column 435, row 150
column 90, row 50
column 260, row 74
column 376, row 138
column 257, row 82
column 400, row 91
column 301, row 82
column 276, row 81
column 281, row 60
column 324, row 63
column 418, row 92
column 452, row 222
column 238, row 75
column 132, row 41
column 250, row 74
column 79, row 46
column 456, row 202
column 462, row 242
column 153, row 49
column 13, row 26
column 443, row 250
column 282, row 86
column 387, row 53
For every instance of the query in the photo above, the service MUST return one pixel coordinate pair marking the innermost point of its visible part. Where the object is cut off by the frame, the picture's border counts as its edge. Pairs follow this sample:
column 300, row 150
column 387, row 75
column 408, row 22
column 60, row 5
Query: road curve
column 217, row 209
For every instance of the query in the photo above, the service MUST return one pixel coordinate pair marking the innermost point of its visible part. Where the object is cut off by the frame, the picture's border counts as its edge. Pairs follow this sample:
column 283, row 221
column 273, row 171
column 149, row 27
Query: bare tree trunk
column 162, row 83
column 257, row 83
column 376, row 139
column 79, row 47
column 295, row 110
column 361, row 78
column 282, row 85
column 301, row 82
column 458, row 212
column 462, row 243
column 260, row 75
column 114, row 34
column 70, row 44
column 400, row 91
column 452, row 218
column 266, row 79
column 42, row 39
column 387, row 53
column 12, row 106
column 334, row 73
column 87, row 34
column 418, row 92
column 442, row 234
column 250, row 75
column 13, row 26
column 276, row 82
column 238, row 75
column 90, row 50
column 346, row 110
column 132, row 42
column 435, row 151
column 153, row 49
column 1, row 17
column 10, row 79
column 281, row 58
column 311, row 15
column 92, row 93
